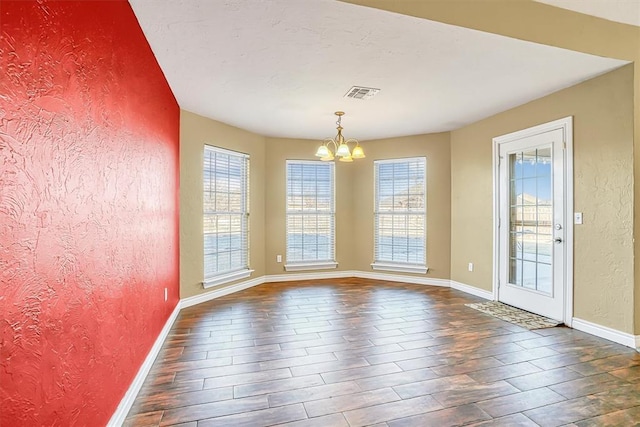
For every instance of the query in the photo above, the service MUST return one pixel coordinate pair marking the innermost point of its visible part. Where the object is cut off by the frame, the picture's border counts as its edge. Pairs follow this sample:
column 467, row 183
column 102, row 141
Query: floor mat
column 514, row 315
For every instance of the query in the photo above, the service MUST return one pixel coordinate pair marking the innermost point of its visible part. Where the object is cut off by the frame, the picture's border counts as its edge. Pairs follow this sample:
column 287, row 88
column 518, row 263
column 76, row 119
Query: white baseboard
column 118, row 417
column 318, row 275
column 614, row 335
column 400, row 278
column 488, row 295
column 345, row 274
column 220, row 292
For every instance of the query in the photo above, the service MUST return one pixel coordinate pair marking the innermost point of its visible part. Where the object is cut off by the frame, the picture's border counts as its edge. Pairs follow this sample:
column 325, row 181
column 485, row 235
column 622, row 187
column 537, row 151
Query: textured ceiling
column 281, row 67
column 625, row 11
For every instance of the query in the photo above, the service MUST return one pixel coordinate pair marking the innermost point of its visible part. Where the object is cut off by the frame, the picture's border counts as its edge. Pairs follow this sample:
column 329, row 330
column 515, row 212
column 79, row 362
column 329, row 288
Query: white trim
column 118, row 417
column 569, row 222
column 226, row 278
column 217, row 293
column 566, row 125
column 211, row 147
column 402, row 278
column 488, row 295
column 610, row 334
column 562, row 123
column 309, row 276
column 321, row 265
column 400, row 268
column 402, row 160
column 496, row 219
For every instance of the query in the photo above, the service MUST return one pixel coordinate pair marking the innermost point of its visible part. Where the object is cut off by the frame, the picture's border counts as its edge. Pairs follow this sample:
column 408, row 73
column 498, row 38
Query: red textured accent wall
column 89, row 134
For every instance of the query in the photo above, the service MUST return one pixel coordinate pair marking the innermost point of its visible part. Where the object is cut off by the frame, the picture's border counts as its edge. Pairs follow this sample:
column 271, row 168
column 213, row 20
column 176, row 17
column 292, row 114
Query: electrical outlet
column 278, row 258
column 166, row 294
column 470, row 266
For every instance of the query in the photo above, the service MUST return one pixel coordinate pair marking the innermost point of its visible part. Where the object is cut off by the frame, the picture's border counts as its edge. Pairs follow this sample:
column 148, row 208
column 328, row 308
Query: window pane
column 225, row 218
column 531, row 217
column 400, row 211
column 310, row 211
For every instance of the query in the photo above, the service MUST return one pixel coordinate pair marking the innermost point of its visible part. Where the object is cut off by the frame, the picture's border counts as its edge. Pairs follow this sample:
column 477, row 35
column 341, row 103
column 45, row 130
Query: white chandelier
column 340, row 146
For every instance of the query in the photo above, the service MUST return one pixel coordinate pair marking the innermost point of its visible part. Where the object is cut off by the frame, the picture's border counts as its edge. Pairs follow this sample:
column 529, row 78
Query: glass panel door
column 532, row 263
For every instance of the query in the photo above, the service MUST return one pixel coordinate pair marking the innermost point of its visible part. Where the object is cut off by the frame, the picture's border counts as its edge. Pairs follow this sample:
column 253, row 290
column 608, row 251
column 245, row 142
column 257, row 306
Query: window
column 225, row 216
column 310, row 215
column 400, row 215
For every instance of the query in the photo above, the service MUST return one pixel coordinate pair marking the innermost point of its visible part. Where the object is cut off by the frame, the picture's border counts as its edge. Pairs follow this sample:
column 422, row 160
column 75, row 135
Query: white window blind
column 310, row 215
column 400, row 214
column 226, row 213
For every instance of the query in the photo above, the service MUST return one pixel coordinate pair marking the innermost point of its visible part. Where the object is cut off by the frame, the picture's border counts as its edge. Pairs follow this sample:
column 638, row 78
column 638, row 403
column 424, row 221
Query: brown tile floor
column 357, row 352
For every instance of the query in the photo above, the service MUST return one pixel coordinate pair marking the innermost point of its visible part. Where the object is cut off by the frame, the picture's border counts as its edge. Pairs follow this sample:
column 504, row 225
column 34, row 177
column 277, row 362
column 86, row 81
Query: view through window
column 310, row 212
column 226, row 211
column 400, row 212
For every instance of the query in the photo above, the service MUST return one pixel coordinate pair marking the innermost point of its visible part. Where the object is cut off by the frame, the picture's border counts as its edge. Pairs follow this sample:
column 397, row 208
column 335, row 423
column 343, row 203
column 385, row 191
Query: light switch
column 577, row 217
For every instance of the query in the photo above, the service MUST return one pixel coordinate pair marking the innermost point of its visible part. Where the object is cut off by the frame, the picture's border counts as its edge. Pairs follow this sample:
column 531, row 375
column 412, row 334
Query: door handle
column 557, row 240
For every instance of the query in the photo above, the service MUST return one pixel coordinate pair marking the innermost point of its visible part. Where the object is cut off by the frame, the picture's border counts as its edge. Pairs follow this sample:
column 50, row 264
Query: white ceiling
column 625, row 11
column 281, row 67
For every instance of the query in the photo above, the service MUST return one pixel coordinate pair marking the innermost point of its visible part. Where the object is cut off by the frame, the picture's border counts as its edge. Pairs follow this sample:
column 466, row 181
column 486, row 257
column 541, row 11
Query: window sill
column 326, row 265
column 226, row 278
column 401, row 268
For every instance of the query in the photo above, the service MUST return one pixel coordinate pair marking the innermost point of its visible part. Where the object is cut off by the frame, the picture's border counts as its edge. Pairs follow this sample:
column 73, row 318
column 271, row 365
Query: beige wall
column 435, row 147
column 603, row 191
column 459, row 195
column 195, row 132
column 545, row 24
column 354, row 199
column 279, row 150
column 539, row 23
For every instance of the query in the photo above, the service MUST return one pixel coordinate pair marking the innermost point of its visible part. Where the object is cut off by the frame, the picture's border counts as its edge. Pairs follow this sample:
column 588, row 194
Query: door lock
column 557, row 240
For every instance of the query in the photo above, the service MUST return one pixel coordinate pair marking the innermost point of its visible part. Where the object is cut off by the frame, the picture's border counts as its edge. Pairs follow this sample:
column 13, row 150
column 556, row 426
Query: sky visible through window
column 531, row 219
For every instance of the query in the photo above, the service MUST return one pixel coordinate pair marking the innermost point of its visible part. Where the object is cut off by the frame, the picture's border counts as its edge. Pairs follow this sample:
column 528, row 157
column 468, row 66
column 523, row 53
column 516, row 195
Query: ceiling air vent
column 360, row 92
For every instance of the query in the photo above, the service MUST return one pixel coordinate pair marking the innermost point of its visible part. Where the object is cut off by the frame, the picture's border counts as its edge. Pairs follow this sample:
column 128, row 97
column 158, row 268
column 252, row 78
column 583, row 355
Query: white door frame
column 566, row 125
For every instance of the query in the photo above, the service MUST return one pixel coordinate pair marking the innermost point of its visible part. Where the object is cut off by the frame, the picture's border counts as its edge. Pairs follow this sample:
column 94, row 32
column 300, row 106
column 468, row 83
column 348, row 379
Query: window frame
column 393, row 264
column 236, row 272
column 317, row 264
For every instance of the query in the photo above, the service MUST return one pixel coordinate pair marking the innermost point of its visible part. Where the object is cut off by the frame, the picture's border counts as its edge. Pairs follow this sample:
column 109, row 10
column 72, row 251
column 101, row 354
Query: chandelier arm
column 328, row 141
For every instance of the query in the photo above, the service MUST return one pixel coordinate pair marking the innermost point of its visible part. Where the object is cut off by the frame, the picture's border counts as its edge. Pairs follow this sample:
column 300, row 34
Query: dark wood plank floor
column 357, row 352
